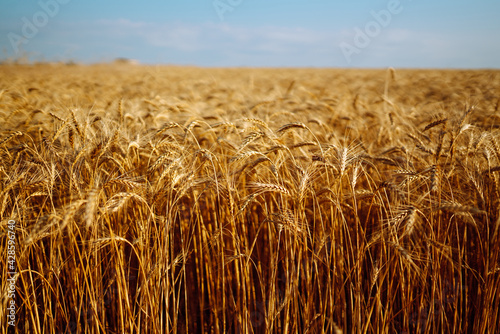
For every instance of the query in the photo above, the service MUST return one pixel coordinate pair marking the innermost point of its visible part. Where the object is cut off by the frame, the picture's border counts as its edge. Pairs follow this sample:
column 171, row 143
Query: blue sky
column 308, row 33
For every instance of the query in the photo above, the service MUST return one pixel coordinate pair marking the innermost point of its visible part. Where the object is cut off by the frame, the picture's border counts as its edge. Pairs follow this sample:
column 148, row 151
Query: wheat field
column 157, row 199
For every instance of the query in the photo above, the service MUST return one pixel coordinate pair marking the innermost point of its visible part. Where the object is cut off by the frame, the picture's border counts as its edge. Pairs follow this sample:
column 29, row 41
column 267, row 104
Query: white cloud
column 184, row 37
column 227, row 45
column 221, row 44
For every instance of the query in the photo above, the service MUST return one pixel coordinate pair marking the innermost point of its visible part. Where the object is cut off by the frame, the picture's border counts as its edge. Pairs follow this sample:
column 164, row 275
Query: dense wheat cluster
column 173, row 200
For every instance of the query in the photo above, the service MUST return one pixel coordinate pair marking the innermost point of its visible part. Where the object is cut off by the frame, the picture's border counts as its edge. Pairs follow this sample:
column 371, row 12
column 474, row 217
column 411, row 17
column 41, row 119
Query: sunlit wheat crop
column 188, row 200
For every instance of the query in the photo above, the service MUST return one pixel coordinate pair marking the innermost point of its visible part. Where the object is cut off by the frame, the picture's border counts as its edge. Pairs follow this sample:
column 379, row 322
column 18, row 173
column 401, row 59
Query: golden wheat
column 182, row 199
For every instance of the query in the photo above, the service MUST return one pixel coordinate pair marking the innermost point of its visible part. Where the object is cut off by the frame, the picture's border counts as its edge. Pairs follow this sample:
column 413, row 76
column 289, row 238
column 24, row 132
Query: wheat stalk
column 435, row 123
column 269, row 187
column 289, row 126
